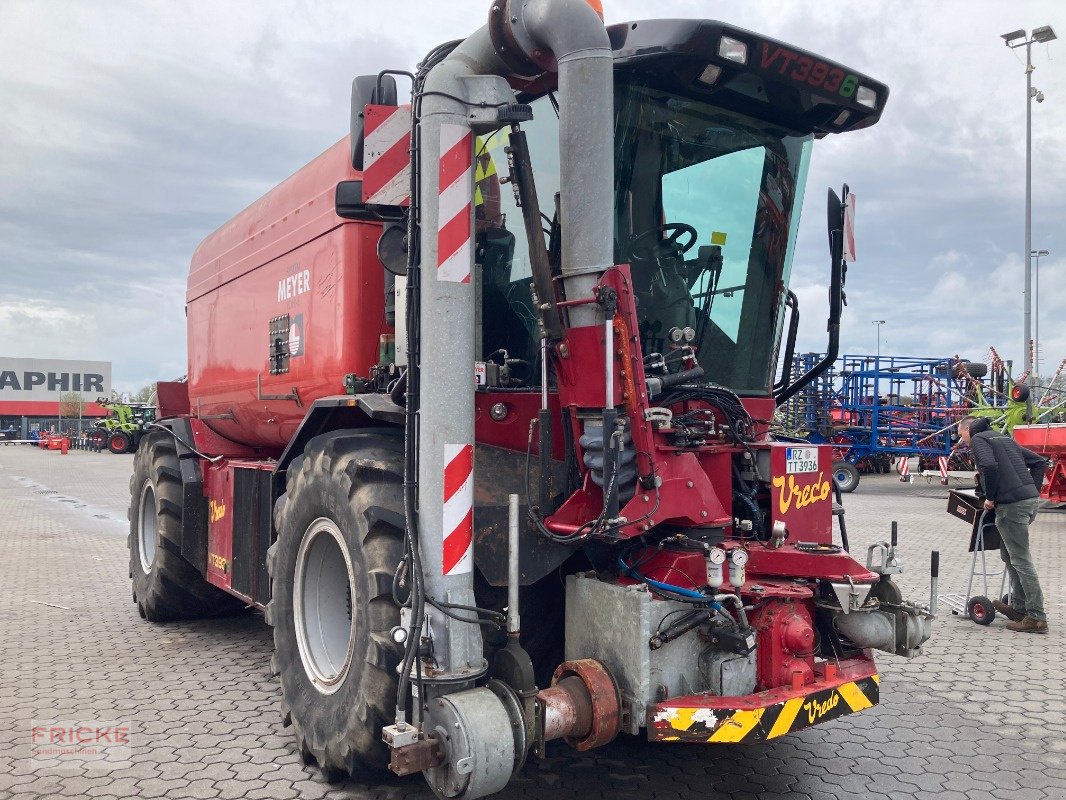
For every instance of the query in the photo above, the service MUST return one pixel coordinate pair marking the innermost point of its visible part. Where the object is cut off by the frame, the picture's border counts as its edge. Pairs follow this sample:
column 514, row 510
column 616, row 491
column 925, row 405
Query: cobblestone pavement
column 981, row 715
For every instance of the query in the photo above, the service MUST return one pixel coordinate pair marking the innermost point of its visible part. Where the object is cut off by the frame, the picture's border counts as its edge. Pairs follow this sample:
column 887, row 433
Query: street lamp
column 878, row 323
column 1014, row 39
column 1037, row 254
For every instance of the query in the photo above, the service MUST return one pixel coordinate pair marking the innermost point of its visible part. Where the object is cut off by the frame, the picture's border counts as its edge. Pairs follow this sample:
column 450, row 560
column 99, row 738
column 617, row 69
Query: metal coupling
column 582, row 706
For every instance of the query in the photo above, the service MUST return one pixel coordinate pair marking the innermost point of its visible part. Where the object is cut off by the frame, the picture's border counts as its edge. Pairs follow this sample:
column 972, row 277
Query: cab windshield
column 706, row 216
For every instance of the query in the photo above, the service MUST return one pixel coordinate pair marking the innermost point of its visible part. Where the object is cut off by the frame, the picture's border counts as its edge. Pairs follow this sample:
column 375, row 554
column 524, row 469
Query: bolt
column 703, row 513
column 689, row 484
column 514, row 20
column 644, row 498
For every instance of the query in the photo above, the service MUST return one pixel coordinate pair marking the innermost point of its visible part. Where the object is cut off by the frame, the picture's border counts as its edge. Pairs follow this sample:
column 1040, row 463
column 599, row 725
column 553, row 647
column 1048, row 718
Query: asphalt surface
column 981, row 715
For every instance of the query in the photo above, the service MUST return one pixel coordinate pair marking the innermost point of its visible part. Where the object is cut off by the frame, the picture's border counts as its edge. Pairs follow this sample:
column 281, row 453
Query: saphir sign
column 47, row 378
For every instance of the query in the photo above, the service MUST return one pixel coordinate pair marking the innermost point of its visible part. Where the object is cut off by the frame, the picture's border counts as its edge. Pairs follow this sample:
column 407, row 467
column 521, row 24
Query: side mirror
column 368, row 90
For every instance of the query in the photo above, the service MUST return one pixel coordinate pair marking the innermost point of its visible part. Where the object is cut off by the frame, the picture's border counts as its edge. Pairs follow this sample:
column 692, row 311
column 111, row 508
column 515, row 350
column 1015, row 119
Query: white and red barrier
column 458, row 509
column 387, row 155
column 455, row 204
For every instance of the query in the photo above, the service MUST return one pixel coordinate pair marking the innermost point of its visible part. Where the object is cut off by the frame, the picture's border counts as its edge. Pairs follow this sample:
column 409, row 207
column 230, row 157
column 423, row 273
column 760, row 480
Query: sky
column 131, row 130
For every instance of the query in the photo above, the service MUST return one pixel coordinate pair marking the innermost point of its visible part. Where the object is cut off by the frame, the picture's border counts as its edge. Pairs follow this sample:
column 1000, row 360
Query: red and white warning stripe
column 904, row 469
column 458, row 509
column 455, row 203
column 386, row 155
column 942, row 463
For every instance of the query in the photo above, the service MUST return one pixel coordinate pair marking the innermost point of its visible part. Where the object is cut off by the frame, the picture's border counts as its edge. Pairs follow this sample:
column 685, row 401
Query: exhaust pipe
column 460, row 96
column 523, row 37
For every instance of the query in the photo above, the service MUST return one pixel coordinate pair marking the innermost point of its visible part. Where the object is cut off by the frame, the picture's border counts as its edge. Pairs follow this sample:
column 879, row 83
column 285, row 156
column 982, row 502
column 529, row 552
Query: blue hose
column 667, row 587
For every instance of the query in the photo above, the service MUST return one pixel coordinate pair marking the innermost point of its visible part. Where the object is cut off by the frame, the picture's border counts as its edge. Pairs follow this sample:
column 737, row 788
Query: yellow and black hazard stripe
column 725, row 725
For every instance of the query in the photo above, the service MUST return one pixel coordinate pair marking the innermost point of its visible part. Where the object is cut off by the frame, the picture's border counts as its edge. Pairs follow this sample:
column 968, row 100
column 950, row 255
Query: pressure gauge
column 690, row 335
column 715, row 560
column 676, row 335
column 738, row 557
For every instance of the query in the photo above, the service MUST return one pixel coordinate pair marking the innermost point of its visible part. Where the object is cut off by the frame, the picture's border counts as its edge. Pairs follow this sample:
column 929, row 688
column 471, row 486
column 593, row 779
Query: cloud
column 131, row 131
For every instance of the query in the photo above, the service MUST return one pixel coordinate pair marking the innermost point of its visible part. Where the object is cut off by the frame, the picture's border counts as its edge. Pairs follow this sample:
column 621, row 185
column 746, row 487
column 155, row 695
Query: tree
column 146, row 394
column 71, row 405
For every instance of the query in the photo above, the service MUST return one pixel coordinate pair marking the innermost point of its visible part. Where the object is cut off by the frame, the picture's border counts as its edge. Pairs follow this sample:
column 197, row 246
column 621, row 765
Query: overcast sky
column 130, row 130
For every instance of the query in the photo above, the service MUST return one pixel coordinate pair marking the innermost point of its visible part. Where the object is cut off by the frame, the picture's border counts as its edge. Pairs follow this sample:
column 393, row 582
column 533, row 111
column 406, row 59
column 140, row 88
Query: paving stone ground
column 982, row 715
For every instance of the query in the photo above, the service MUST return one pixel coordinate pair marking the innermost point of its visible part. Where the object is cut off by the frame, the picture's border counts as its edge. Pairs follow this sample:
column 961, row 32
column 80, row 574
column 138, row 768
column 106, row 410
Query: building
column 51, row 394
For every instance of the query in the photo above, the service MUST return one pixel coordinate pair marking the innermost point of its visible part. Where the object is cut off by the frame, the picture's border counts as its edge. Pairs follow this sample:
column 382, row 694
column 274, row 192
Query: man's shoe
column 1010, row 612
column 1028, row 625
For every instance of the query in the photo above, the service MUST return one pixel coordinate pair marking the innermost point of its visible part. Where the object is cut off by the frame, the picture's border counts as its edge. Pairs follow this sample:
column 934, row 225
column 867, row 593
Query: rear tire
column 340, row 530
column 97, row 439
column 846, row 476
column 165, row 585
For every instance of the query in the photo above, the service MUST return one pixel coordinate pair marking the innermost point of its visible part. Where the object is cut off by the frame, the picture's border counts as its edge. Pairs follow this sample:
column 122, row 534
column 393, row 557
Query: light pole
column 878, row 323
column 1037, row 254
column 1014, row 39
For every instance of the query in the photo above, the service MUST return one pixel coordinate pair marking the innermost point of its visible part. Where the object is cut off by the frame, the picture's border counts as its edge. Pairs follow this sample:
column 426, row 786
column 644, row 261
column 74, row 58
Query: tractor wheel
column 980, row 610
column 97, row 438
column 340, row 527
column 165, row 585
column 976, row 369
column 846, row 476
column 119, row 442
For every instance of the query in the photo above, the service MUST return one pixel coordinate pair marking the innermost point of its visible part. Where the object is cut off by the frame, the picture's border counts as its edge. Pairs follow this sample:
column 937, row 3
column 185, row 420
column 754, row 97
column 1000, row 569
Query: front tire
column 846, row 476
column 165, row 585
column 119, row 442
column 340, row 530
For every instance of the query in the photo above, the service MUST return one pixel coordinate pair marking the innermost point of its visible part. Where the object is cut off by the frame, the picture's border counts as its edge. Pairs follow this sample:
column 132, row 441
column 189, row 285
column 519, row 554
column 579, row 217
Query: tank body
column 283, row 301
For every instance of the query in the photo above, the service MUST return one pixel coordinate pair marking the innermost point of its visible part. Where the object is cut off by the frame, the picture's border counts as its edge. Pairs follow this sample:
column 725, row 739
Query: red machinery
column 1048, row 440
column 525, row 413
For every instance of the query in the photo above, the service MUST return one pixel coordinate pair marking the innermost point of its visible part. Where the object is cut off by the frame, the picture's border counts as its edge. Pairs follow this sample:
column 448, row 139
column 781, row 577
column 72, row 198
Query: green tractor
column 1013, row 406
column 123, row 427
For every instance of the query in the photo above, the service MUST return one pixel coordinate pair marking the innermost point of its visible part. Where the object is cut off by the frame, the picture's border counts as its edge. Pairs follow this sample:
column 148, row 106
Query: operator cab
column 713, row 133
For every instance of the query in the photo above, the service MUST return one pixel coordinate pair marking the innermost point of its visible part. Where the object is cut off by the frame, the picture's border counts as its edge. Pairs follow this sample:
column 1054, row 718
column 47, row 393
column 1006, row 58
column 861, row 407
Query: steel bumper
column 838, row 690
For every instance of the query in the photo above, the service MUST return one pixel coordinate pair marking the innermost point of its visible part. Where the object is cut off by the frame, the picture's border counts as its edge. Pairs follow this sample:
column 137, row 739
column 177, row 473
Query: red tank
column 283, row 301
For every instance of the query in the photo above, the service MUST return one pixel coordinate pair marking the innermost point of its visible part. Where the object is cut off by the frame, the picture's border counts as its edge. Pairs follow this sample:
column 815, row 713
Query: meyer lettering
column 294, row 285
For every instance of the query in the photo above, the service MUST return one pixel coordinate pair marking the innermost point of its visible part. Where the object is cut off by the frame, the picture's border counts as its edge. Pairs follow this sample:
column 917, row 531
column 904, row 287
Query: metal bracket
column 293, row 395
column 888, row 564
column 851, row 596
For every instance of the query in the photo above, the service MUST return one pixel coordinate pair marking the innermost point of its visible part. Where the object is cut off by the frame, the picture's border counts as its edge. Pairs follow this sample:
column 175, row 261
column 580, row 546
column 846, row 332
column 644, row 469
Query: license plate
column 801, row 459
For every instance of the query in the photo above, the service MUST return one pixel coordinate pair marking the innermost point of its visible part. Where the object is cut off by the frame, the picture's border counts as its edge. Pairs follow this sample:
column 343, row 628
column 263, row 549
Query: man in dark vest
column 1011, row 477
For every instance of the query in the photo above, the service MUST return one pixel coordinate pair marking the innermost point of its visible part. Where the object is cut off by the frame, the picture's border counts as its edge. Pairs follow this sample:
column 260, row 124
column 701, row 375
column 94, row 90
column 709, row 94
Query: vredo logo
column 815, row 710
column 215, row 511
column 294, row 285
column 790, row 492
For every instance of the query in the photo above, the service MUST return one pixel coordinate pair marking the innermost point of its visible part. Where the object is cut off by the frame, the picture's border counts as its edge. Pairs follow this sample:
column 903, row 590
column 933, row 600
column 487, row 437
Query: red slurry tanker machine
column 478, row 410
